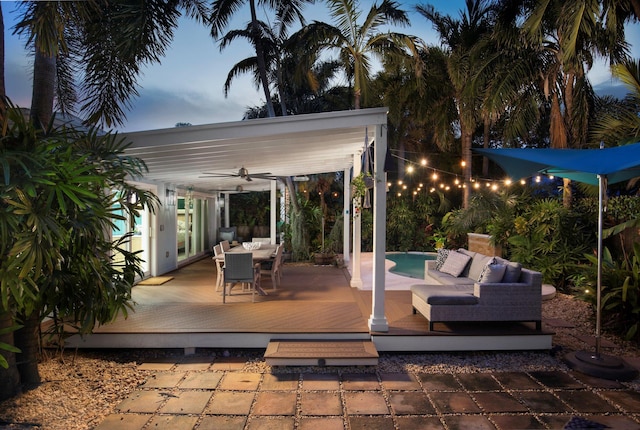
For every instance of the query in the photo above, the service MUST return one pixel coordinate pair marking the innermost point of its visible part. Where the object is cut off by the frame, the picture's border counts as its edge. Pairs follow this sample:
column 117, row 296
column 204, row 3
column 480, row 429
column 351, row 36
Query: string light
column 439, row 179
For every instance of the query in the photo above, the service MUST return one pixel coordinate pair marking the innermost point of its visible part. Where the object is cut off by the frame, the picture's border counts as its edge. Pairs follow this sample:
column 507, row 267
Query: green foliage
column 550, row 238
column 620, row 285
column 5, row 346
column 62, row 190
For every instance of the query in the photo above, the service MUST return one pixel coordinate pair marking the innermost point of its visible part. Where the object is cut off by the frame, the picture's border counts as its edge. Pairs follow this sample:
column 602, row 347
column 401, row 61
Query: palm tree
column 568, row 34
column 107, row 41
column 357, row 43
column 620, row 123
column 110, row 41
column 461, row 39
column 286, row 11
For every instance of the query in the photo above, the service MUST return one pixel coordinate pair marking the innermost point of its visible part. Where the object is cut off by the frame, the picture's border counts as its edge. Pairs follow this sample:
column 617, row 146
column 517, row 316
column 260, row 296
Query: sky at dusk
column 188, row 84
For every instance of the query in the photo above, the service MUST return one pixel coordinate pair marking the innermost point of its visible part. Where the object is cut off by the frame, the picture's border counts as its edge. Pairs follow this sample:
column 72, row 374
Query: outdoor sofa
column 467, row 286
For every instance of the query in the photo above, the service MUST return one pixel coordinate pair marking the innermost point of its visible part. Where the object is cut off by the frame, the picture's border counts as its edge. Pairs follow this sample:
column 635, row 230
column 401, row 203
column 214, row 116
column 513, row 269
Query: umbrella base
column 601, row 365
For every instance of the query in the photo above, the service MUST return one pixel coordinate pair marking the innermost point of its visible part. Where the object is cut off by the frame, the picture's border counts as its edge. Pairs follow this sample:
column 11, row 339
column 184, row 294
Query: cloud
column 162, row 108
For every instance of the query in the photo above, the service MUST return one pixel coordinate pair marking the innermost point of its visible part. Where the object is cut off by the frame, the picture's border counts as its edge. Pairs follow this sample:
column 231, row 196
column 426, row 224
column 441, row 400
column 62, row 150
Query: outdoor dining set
column 245, row 264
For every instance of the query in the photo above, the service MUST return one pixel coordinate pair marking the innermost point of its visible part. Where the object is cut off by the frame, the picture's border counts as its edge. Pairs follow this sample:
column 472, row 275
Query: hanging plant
column 360, row 185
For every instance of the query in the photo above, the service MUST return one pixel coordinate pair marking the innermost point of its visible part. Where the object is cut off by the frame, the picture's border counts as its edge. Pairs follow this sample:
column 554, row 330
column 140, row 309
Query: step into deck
column 321, row 353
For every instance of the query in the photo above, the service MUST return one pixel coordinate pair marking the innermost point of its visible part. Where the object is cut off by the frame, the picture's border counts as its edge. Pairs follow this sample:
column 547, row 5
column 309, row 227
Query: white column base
column 378, row 324
column 356, row 283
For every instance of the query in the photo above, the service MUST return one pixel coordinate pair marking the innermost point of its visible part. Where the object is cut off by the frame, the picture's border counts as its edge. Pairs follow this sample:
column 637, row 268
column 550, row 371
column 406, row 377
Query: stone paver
column 231, row 403
column 410, row 403
column 321, row 403
column 399, row 381
column 164, row 380
column 201, row 380
column 309, row 423
column 275, row 403
column 360, row 381
column 240, row 381
column 187, row 402
column 366, row 403
column 194, row 393
column 320, row 381
column 499, row 402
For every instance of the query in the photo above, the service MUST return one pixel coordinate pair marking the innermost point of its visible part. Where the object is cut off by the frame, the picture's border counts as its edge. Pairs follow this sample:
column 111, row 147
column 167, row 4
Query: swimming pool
column 410, row 264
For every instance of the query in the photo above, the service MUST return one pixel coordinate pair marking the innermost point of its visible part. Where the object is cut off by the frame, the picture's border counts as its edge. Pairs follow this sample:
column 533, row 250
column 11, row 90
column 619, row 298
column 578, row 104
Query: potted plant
column 360, row 185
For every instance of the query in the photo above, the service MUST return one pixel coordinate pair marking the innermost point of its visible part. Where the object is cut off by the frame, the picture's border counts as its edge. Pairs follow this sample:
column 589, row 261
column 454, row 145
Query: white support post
column 377, row 320
column 226, row 210
column 346, row 249
column 272, row 212
column 356, row 280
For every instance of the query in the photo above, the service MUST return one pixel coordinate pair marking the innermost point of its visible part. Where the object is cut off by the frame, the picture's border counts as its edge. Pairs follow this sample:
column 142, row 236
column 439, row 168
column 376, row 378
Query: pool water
column 409, row 264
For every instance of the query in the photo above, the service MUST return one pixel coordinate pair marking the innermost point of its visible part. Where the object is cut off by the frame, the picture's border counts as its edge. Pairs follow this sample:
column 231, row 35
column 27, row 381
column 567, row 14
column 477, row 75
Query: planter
column 482, row 243
column 261, row 231
column 324, row 259
column 244, row 233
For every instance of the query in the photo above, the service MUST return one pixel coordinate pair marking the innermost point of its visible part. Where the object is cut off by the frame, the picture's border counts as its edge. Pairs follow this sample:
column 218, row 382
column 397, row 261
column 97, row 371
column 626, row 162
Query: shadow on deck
column 313, row 303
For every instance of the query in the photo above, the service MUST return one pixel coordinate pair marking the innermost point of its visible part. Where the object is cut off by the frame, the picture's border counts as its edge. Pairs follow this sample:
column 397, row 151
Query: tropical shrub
column 62, row 190
column 551, row 239
column 620, row 291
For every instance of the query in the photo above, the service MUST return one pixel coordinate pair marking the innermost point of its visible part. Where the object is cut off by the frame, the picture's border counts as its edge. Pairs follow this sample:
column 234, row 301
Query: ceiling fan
column 242, row 173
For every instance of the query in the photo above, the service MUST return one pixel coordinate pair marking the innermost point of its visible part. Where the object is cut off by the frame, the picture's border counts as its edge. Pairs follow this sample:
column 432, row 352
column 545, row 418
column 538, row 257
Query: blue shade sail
column 618, row 164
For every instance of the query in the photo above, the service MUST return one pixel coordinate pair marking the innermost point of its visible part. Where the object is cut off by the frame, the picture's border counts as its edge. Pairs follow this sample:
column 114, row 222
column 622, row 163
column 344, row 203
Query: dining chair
column 225, row 245
column 274, row 270
column 217, row 250
column 240, row 269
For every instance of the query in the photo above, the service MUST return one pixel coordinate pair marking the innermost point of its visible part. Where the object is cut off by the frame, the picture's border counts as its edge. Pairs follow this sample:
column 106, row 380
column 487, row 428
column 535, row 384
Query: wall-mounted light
column 169, row 197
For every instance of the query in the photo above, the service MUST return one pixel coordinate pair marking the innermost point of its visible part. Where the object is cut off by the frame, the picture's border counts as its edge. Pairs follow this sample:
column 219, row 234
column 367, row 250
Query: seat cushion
column 455, row 263
column 449, row 295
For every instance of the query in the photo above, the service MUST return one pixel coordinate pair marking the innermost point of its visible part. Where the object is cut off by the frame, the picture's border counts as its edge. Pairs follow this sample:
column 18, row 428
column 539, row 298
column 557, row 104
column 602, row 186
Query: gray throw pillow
column 455, row 263
column 492, row 273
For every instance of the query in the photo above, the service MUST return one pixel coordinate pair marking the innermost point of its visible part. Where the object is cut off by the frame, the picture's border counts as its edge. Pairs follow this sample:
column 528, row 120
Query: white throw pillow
column 492, row 273
column 455, row 263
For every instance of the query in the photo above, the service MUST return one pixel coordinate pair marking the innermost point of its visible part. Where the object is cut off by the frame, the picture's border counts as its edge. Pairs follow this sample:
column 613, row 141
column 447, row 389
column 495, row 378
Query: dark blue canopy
column 618, row 164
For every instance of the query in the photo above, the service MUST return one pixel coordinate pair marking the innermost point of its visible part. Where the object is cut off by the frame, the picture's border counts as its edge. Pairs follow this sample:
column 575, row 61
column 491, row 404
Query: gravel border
column 80, row 388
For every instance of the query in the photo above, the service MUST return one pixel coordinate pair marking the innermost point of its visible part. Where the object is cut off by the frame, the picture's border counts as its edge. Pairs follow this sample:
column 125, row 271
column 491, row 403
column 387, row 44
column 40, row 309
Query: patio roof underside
column 283, row 146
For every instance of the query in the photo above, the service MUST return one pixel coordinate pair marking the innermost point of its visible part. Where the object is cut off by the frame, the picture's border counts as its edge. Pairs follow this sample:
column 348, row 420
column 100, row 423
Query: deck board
column 312, row 301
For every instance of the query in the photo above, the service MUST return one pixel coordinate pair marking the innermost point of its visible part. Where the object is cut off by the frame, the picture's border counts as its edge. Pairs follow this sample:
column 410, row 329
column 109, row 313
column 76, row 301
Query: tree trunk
column 44, row 76
column 262, row 66
column 27, row 339
column 3, row 93
column 9, row 378
column 467, row 136
column 486, row 134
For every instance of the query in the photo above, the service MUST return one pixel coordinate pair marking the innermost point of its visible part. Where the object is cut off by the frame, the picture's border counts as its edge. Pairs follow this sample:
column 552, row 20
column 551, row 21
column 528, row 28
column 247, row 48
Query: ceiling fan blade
column 219, row 175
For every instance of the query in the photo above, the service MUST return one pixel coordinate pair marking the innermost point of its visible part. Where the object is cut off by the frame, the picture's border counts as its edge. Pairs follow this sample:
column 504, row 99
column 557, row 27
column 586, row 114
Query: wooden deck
column 313, row 303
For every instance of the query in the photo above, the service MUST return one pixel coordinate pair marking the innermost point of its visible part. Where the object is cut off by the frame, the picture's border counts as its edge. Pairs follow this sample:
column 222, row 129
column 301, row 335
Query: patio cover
column 282, row 146
column 591, row 166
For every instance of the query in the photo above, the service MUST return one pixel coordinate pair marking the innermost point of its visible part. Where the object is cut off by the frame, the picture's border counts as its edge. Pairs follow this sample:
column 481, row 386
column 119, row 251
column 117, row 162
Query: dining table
column 264, row 253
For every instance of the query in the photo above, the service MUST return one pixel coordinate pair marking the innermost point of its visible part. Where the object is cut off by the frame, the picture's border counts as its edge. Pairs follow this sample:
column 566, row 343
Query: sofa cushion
column 512, row 274
column 447, row 279
column 492, row 273
column 455, row 263
column 441, row 257
column 471, row 254
column 450, row 295
column 478, row 263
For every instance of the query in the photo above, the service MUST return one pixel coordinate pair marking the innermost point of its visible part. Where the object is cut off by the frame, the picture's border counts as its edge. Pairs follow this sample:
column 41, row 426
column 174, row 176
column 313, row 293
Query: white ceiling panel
column 282, row 146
